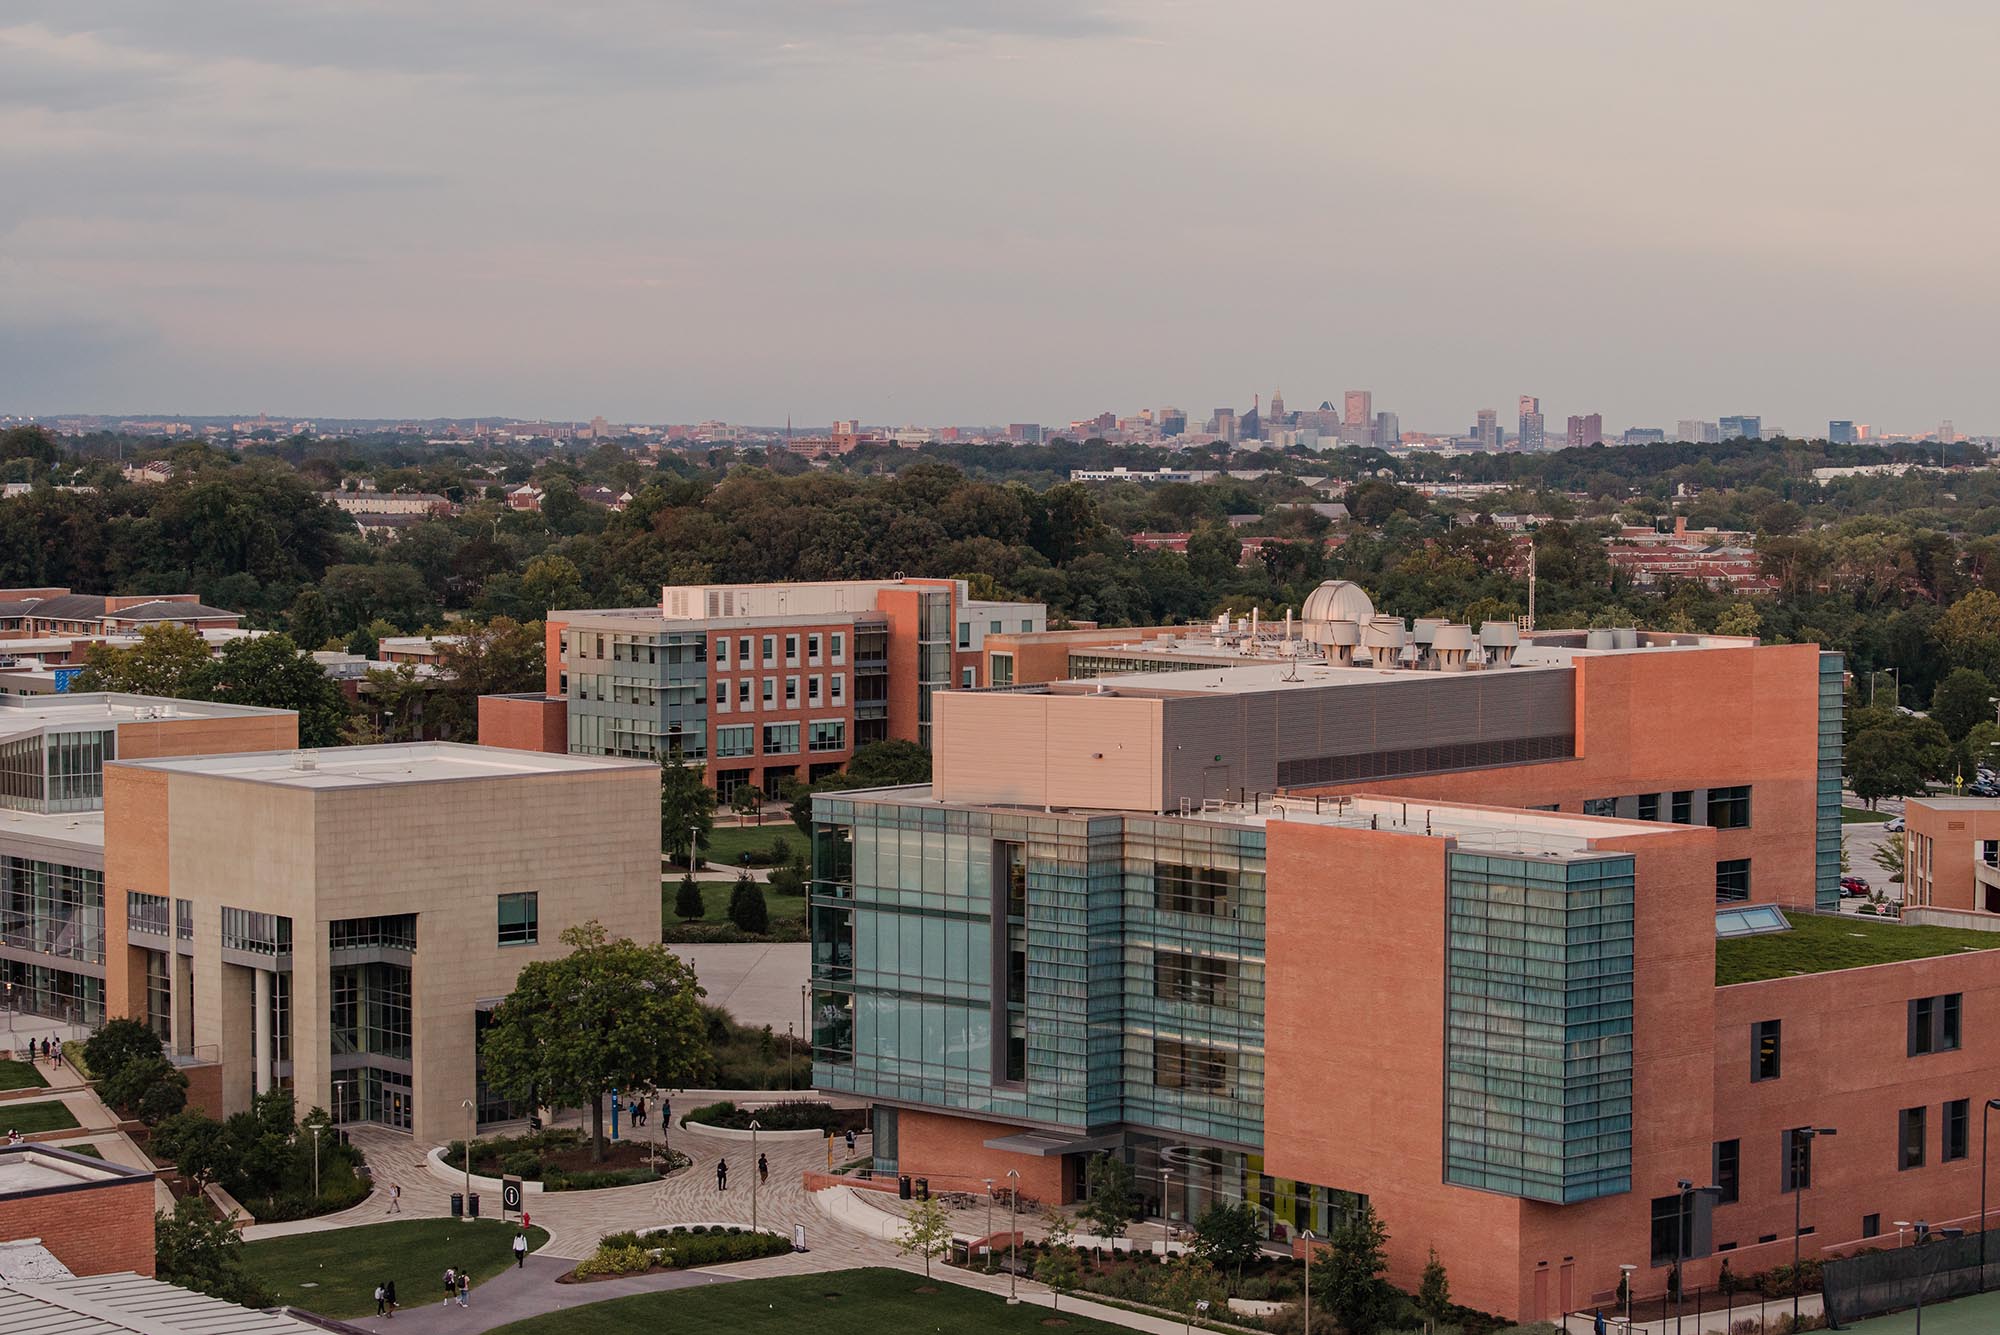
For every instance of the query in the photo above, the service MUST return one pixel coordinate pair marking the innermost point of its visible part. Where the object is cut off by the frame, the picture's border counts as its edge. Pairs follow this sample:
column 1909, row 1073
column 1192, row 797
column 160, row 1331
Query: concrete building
column 1530, row 423
column 1486, row 432
column 1952, row 861
column 1427, row 921
column 341, row 921
column 1741, row 427
column 761, row 683
column 1587, row 429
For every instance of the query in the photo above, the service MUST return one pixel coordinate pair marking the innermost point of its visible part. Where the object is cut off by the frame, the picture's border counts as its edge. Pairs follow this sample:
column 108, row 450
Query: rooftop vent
column 305, row 761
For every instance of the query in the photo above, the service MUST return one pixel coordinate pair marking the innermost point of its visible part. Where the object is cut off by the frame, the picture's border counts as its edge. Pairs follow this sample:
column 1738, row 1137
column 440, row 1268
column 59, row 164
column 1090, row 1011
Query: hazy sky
column 992, row 210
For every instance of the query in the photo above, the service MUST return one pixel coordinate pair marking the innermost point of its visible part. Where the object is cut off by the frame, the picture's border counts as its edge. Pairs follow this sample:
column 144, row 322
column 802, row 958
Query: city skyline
column 682, row 210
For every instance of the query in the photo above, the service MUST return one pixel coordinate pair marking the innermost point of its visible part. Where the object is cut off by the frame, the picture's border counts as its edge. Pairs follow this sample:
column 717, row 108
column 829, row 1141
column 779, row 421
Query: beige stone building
column 343, row 920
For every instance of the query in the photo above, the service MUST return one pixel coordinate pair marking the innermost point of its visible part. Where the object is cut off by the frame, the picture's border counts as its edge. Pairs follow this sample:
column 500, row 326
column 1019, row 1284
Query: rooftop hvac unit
column 305, row 760
column 1600, row 639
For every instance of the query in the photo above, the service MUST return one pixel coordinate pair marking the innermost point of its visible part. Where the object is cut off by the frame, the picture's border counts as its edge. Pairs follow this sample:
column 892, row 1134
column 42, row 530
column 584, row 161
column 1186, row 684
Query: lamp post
column 755, row 1176
column 1802, row 1140
column 1985, row 1121
column 1309, row 1280
column 1166, row 1178
column 315, row 1131
column 1923, row 1233
column 471, row 1127
column 1626, row 1272
column 694, row 839
column 1013, row 1235
column 989, row 1225
column 1674, row 1286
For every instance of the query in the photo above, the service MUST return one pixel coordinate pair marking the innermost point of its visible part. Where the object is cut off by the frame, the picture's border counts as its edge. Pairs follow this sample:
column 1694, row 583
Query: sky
column 939, row 211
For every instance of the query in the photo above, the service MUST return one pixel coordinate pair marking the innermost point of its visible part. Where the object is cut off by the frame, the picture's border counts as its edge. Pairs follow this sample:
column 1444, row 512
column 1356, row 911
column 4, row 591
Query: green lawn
column 28, row 1118
column 20, row 1075
column 841, row 1302
column 715, row 903
column 1862, row 816
column 1819, row 944
column 1978, row 1314
column 334, row 1273
column 728, row 841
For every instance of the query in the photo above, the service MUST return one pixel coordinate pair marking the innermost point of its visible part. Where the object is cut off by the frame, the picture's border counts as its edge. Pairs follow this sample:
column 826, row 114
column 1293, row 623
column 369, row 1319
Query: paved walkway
column 756, row 983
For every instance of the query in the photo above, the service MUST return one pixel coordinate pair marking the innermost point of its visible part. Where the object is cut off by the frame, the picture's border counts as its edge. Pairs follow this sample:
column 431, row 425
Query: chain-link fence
column 1897, row 1279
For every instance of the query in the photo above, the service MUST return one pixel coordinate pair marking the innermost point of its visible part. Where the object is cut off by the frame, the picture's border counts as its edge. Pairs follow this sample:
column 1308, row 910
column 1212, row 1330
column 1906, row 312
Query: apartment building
column 1471, row 936
column 760, row 683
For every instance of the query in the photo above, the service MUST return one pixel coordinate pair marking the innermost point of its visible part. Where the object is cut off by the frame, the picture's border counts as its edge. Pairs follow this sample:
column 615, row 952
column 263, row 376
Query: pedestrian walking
column 389, row 1296
column 450, row 1286
column 464, row 1285
column 45, row 1049
column 763, row 1169
column 722, row 1174
column 520, row 1250
column 395, row 1198
column 1597, row 1325
column 381, row 1302
column 639, row 1111
column 850, row 1141
column 58, row 1054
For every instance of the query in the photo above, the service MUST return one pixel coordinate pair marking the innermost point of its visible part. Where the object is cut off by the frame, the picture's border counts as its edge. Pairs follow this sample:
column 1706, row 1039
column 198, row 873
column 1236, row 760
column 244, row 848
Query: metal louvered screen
column 1425, row 759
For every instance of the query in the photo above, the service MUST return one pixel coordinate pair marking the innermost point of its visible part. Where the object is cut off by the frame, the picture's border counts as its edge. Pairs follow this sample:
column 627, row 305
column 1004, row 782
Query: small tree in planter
column 1108, row 1187
column 1434, row 1293
column 927, row 1232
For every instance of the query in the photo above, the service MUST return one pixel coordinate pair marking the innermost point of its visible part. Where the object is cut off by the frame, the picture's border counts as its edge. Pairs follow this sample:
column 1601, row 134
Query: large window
column 1910, row 1138
column 1190, row 978
column 1649, row 806
column 1795, row 1150
column 1673, row 1220
column 736, row 741
column 1728, row 1169
column 1600, row 806
column 1766, row 1043
column 1683, row 807
column 1179, row 888
column 1732, row 879
column 781, row 739
column 389, row 931
column 256, row 933
column 146, row 913
column 1178, row 1065
column 827, row 735
column 1957, row 1131
column 1729, row 808
column 520, row 919
column 370, row 1011
column 1935, row 1023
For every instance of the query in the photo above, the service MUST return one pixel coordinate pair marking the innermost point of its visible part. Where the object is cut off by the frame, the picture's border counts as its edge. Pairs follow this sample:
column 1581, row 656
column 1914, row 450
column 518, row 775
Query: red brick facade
column 95, row 1229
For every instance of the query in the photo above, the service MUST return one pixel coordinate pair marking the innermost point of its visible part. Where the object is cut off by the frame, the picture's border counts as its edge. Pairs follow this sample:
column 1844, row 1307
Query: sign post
column 510, row 1197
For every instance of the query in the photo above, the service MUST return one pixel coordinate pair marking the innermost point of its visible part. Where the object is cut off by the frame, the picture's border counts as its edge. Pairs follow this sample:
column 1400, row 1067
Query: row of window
column 827, row 689
column 992, row 628
column 1728, row 808
column 1934, row 1024
column 835, row 643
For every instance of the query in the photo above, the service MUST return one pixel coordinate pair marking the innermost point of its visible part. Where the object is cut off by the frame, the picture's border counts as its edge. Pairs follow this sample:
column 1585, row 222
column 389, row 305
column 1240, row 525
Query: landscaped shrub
column 616, row 1261
column 792, row 1115
column 631, row 1252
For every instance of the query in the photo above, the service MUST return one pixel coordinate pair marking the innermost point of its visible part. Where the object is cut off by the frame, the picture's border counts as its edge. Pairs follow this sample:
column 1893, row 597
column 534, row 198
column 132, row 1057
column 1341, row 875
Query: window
column 743, row 693
column 781, row 739
column 813, row 688
column 1027, row 625
column 840, row 688
column 1765, row 1042
column 791, row 651
column 838, row 642
column 1957, row 1131
column 992, row 628
column 1728, row 1171
column 812, row 649
column 1732, row 879
column 1934, row 1024
column 1600, row 806
column 1684, row 807
column 1871, row 1226
column 736, row 741
column 770, row 651
column 743, row 651
column 827, row 735
column 520, row 919
column 722, row 652
column 1910, row 1139
column 968, row 677
column 791, row 692
column 965, row 634
column 1178, row 1065
column 1190, row 978
column 1729, row 808
column 1673, row 1219
column 1649, row 806
column 770, row 692
column 1001, row 669
column 1178, row 888
column 1795, row 1163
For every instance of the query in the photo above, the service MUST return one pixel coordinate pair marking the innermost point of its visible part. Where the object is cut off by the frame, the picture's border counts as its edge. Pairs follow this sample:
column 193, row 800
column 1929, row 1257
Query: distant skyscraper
column 1172, row 421
column 1586, row 430
column 1388, row 429
column 1487, row 432
column 1357, row 422
column 1223, row 423
column 1277, row 414
column 1531, row 423
column 1251, row 425
column 1027, row 433
column 1947, row 431
column 1840, row 433
column 1696, row 432
column 1644, row 435
column 1741, row 428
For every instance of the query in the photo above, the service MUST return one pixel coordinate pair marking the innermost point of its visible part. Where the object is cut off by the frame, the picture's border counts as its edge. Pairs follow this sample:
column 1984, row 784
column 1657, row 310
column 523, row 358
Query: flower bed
column 792, row 1115
column 560, row 1160
column 635, row 1253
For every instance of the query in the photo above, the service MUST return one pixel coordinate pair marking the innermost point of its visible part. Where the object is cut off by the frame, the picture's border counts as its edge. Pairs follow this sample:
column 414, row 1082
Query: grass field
column 1819, row 944
column 334, row 1273
column 1862, row 816
column 727, row 842
column 842, row 1302
column 28, row 1118
column 1975, row 1315
column 715, row 903
column 20, row 1075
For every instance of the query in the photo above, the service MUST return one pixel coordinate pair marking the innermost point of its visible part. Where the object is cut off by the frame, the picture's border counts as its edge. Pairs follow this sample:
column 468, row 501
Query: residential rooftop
column 1821, row 943
column 382, row 766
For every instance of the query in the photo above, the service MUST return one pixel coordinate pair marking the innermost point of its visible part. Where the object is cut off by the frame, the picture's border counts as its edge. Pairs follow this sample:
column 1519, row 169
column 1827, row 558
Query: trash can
column 903, row 1187
column 923, row 1188
column 472, row 1206
column 457, row 1205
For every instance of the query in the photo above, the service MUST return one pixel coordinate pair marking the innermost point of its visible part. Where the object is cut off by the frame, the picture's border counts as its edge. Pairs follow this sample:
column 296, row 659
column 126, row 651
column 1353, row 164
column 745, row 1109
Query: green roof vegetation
column 1820, row 944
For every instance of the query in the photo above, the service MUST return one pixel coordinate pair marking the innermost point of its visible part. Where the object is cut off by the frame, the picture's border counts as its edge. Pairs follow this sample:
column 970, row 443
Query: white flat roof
column 26, row 713
column 1489, row 829
column 80, row 830
column 1261, row 674
column 377, row 766
column 30, row 1169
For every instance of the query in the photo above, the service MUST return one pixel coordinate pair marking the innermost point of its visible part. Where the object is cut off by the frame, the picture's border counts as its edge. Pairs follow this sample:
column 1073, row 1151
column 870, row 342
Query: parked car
column 1895, row 825
column 1852, row 887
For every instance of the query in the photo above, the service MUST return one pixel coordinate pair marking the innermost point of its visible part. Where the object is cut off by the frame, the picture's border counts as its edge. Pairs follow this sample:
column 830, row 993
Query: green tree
column 197, row 1251
column 926, row 1232
column 1108, row 1203
column 687, row 899
column 119, row 1043
column 194, row 1143
column 1895, row 760
column 1739, row 618
column 1214, row 552
column 501, row 657
column 1057, row 1267
column 170, row 660
column 612, row 1014
column 1969, row 632
column 363, row 643
column 272, row 672
column 1226, row 1236
column 1962, row 701
column 1434, row 1291
column 147, row 1087
column 551, row 583
column 1186, row 1282
column 1889, row 856
column 888, row 764
column 747, row 909
column 687, row 807
column 1356, row 1291
column 309, row 621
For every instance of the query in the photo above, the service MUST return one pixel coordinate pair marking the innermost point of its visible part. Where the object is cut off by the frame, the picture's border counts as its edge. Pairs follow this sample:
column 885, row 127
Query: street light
column 1802, row 1140
column 471, row 1127
column 1166, row 1176
column 989, row 1225
column 694, row 838
column 755, row 1127
column 1309, row 1280
column 1626, row 1272
column 1924, row 1232
column 1984, row 1122
column 315, row 1131
column 1013, row 1235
